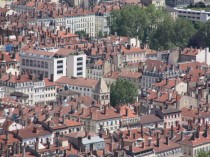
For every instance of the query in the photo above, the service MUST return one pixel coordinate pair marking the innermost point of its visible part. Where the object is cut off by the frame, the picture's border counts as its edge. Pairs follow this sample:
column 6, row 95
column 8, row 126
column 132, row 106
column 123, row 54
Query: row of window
column 34, row 63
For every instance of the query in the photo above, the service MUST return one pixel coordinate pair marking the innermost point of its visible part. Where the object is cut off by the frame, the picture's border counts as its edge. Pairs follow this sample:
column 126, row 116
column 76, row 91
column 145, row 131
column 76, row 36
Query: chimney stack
column 167, row 140
column 105, row 109
column 126, row 112
column 158, row 142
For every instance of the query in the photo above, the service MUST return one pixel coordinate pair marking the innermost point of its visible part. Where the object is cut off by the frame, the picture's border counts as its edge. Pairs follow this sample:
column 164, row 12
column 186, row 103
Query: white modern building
column 76, row 64
column 193, row 15
column 49, row 64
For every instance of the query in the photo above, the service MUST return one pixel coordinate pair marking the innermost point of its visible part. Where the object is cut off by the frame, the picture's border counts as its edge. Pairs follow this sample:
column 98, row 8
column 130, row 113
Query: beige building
column 98, row 69
column 98, row 119
column 36, row 88
column 87, row 87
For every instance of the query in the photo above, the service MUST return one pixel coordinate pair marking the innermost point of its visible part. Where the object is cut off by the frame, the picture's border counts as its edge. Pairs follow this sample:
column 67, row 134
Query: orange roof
column 131, row 114
column 72, row 123
column 130, row 74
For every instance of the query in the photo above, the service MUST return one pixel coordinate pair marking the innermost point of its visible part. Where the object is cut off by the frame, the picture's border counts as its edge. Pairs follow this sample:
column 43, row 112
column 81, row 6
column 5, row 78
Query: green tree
column 184, row 31
column 157, row 28
column 100, row 34
column 122, row 91
column 161, row 38
column 81, row 33
column 202, row 36
column 203, row 154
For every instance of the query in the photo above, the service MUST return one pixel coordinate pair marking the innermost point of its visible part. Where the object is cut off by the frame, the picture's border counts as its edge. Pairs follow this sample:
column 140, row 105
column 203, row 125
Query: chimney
column 105, row 109
column 158, row 142
column 35, row 129
column 172, row 131
column 194, row 136
column 142, row 144
column 207, row 108
column 129, row 132
column 149, row 142
column 37, row 144
column 206, row 132
column 18, row 147
column 126, row 112
column 48, row 143
column 14, row 148
column 142, row 131
column 63, row 119
column 167, row 140
column 2, row 57
column 198, row 132
column 24, row 150
column 131, row 147
column 198, row 111
column 134, row 136
column 178, row 127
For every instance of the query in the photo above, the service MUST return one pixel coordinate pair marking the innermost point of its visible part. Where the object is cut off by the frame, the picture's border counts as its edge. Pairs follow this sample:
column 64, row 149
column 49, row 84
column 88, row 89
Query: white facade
column 181, row 88
column 84, row 91
column 76, row 65
column 85, row 22
column 49, row 66
column 14, row 126
column 204, row 55
column 42, row 139
column 193, row 15
column 2, row 92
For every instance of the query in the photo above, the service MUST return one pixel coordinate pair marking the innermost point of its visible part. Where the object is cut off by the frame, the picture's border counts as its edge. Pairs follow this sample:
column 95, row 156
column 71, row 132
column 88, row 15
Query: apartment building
column 87, row 87
column 48, row 64
column 153, row 71
column 96, row 120
column 101, row 23
column 193, row 15
column 76, row 64
column 80, row 20
column 198, row 55
column 170, row 116
column 98, row 69
column 19, row 7
column 28, row 84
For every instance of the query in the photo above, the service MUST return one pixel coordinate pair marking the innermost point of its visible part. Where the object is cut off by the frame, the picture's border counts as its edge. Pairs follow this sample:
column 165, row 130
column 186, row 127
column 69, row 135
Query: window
column 79, row 73
column 46, row 65
column 79, row 63
column 79, row 59
column 31, row 62
column 27, row 62
column 23, row 62
column 80, row 68
column 59, row 71
column 60, row 66
column 34, row 63
column 42, row 64
column 60, row 61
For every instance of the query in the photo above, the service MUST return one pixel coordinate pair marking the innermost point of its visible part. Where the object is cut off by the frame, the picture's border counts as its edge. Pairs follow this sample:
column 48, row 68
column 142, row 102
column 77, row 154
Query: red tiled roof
column 130, row 74
column 83, row 82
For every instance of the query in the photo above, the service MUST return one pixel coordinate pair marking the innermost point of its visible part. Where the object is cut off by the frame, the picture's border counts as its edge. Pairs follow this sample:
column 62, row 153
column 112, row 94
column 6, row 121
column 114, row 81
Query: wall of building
column 75, row 66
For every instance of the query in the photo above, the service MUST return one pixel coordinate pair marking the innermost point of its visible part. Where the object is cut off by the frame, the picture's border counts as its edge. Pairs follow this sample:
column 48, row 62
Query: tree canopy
column 203, row 154
column 157, row 28
column 123, row 91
